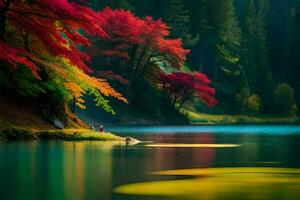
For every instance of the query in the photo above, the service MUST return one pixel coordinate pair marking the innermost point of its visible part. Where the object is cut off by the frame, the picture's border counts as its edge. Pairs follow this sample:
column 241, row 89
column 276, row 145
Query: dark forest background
column 249, row 48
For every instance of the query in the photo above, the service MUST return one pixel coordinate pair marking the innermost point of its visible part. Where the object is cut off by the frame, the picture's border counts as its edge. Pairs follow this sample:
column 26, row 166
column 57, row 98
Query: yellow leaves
column 53, row 54
column 75, row 89
column 100, row 84
column 77, row 93
column 77, row 82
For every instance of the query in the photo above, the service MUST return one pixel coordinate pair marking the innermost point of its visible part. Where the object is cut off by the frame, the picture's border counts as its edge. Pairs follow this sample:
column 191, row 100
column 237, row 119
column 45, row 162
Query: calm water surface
column 92, row 170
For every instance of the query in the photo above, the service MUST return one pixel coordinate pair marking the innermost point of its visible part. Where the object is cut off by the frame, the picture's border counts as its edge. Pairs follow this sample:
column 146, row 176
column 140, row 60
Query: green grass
column 199, row 118
column 78, row 134
column 65, row 134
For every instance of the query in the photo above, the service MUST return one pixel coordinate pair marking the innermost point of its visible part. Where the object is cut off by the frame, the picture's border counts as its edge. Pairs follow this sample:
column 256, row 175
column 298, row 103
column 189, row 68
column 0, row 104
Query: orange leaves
column 75, row 89
column 77, row 93
column 84, row 81
column 45, row 33
column 78, row 83
column 101, row 85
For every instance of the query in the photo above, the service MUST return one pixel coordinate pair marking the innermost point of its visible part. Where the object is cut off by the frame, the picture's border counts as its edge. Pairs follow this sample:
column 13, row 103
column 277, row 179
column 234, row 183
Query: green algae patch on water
column 229, row 171
column 222, row 183
column 174, row 145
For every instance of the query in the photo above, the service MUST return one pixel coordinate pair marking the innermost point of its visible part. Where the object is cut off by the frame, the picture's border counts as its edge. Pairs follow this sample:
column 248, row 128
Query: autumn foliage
column 46, row 26
column 138, row 42
column 46, row 37
column 182, row 86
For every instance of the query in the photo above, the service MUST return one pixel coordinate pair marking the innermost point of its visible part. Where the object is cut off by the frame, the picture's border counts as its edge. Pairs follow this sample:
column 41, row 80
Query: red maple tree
column 34, row 33
column 31, row 30
column 137, row 42
column 182, row 86
column 44, row 36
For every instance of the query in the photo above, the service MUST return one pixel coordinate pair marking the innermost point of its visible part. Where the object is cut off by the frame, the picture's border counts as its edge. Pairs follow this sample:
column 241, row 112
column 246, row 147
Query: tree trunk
column 181, row 103
column 132, row 56
column 74, row 105
column 174, row 101
column 140, row 60
column 245, row 77
column 146, row 65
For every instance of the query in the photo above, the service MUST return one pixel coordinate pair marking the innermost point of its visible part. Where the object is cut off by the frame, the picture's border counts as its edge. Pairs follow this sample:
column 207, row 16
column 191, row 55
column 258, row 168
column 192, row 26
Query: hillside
column 17, row 112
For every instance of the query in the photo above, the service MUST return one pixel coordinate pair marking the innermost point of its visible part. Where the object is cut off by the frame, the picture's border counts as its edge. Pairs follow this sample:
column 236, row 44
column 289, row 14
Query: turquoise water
column 92, row 170
column 238, row 129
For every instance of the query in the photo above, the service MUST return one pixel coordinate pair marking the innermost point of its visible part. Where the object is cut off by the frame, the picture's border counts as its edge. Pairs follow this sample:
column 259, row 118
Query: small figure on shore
column 101, row 130
column 127, row 140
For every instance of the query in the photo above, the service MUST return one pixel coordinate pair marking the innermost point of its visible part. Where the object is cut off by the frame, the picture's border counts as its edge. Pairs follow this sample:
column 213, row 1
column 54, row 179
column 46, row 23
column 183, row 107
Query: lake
column 173, row 163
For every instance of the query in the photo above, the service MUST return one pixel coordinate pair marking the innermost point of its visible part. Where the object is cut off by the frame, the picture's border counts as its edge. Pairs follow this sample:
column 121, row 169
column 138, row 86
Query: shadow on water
column 93, row 170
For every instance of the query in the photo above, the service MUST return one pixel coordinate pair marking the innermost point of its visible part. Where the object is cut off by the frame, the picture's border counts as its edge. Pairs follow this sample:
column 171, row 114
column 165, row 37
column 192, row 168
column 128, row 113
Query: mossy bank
column 16, row 134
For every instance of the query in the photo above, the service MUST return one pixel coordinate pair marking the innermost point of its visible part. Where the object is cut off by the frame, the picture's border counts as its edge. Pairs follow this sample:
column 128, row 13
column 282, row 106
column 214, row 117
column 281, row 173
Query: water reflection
column 91, row 170
column 56, row 170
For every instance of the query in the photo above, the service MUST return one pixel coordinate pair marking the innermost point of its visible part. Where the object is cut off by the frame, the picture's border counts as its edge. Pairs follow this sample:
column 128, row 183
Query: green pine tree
column 124, row 4
column 294, row 60
column 254, row 55
column 176, row 16
column 225, row 36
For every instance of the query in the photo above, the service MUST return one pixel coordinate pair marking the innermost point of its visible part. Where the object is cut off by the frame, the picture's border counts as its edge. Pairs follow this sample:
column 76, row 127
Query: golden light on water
column 174, row 145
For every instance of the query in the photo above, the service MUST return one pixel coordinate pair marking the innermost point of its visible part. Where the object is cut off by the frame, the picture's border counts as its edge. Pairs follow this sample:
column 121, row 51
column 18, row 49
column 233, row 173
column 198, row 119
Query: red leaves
column 52, row 26
column 121, row 25
column 77, row 38
column 155, row 34
column 149, row 36
column 182, row 84
column 14, row 56
column 41, row 29
column 173, row 48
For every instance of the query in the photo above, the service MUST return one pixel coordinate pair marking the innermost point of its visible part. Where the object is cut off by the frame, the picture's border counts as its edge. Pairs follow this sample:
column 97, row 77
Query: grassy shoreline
column 217, row 119
column 18, row 134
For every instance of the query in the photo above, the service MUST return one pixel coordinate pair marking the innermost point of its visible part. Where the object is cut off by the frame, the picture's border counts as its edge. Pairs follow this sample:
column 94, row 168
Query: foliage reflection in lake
column 92, row 170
